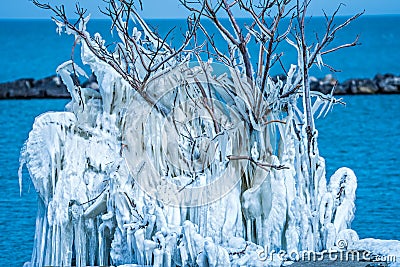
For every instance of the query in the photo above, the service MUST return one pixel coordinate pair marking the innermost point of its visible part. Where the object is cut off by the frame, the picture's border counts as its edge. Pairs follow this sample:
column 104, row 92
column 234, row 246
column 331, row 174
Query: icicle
column 60, row 26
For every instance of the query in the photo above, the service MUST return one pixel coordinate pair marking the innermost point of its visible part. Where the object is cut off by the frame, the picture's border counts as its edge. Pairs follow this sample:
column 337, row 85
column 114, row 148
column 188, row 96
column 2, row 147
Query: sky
column 172, row 9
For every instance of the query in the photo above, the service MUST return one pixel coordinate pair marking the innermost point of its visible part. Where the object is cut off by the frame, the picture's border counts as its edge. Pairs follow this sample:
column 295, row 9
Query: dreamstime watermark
column 338, row 254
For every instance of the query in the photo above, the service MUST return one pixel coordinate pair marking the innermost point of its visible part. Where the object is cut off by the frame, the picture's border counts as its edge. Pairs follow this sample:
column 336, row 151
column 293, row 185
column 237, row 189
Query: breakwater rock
column 380, row 84
column 52, row 87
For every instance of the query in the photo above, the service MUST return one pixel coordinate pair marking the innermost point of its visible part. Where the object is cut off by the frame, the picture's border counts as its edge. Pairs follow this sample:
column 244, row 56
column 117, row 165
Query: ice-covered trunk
column 292, row 203
column 305, row 183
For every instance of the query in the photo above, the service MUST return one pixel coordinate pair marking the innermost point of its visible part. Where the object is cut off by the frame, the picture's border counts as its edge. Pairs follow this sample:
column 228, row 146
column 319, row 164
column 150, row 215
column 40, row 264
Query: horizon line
column 223, row 18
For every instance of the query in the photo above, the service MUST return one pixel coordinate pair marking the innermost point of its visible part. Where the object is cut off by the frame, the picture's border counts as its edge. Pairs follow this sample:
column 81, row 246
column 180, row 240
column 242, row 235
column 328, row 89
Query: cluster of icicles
column 103, row 167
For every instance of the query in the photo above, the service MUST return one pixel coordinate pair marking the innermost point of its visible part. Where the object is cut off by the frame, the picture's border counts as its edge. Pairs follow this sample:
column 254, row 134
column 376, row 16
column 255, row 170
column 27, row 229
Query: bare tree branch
column 265, row 166
column 124, row 62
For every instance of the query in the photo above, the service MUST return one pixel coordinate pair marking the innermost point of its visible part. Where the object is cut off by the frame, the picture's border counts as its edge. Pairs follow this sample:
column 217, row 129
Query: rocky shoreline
column 52, row 87
column 380, row 84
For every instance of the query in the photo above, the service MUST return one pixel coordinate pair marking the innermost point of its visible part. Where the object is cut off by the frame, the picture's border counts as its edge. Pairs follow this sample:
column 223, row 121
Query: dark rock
column 342, row 89
column 368, row 86
column 381, row 84
column 314, row 85
column 324, row 85
column 91, row 82
column 365, row 86
column 22, row 88
column 388, row 83
column 280, row 77
column 50, row 87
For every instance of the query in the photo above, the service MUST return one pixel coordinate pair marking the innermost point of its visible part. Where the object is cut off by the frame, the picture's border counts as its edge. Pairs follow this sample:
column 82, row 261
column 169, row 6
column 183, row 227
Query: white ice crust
column 94, row 167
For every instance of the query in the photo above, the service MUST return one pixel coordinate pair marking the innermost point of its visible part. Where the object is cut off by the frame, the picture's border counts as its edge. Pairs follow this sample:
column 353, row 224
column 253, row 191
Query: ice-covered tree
column 188, row 154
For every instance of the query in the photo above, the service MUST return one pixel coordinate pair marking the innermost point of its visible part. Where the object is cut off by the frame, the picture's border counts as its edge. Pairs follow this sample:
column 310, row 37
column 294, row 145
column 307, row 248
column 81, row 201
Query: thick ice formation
column 210, row 174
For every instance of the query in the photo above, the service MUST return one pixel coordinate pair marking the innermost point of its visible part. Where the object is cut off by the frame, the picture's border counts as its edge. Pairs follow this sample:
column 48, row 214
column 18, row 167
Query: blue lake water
column 364, row 135
column 32, row 48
